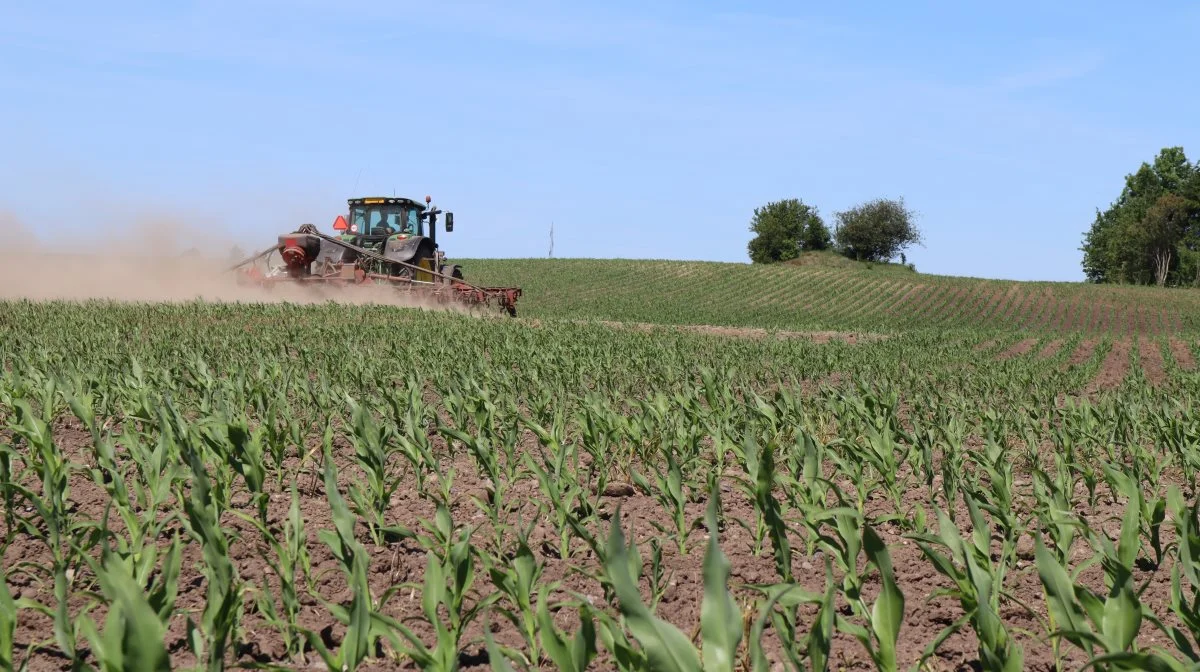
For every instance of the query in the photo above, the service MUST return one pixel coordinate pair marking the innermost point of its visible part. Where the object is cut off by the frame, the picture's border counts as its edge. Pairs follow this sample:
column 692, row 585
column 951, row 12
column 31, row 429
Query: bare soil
column 1114, row 369
column 819, row 337
column 1051, row 349
column 986, row 345
column 1084, row 352
column 908, row 298
column 402, row 565
column 1182, row 354
column 1018, row 349
column 1152, row 360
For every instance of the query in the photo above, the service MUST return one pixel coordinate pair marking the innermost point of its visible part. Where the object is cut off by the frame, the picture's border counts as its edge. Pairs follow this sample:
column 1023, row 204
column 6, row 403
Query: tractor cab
column 399, row 229
column 377, row 219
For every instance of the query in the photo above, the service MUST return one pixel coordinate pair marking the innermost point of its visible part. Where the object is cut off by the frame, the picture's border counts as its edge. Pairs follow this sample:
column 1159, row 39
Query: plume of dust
column 160, row 259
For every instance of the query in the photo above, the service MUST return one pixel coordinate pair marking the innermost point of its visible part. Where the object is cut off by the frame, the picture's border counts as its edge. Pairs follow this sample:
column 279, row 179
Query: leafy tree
column 1151, row 233
column 1162, row 230
column 877, row 230
column 784, row 229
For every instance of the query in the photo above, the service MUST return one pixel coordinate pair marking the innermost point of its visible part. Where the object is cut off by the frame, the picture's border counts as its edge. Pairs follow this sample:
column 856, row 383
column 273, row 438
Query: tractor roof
column 385, row 200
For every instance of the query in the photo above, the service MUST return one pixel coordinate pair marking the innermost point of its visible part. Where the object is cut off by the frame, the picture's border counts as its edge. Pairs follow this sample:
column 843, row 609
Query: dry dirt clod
column 618, row 489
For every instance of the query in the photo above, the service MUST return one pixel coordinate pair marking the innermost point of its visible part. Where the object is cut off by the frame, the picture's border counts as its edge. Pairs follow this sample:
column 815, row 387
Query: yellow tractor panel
column 427, row 274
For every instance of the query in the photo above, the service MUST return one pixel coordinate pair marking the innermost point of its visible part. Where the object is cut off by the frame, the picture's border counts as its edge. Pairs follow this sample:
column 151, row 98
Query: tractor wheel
column 452, row 271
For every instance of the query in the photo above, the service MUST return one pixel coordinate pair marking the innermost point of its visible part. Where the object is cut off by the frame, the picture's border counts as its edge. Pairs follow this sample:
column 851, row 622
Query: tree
column 1151, row 233
column 1161, row 230
column 877, row 230
column 784, row 229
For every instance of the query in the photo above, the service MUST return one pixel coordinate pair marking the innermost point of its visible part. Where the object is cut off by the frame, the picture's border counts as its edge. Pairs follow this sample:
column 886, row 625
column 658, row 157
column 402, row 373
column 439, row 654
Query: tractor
column 382, row 240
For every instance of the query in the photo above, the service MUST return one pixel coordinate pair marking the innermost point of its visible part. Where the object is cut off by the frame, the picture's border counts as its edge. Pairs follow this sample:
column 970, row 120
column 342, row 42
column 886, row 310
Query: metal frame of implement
column 335, row 272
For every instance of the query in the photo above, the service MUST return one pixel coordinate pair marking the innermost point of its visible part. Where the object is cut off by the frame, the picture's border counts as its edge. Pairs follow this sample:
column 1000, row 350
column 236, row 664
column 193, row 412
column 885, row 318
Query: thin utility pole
column 552, row 239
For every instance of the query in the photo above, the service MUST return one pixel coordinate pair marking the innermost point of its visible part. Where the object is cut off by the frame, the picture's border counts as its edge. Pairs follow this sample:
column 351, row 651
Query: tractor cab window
column 384, row 220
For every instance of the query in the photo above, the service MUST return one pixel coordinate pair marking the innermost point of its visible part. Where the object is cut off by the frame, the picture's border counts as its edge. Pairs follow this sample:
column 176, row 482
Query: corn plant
column 977, row 583
column 365, row 624
column 9, row 612
column 516, row 577
column 289, row 560
column 1105, row 628
column 223, row 605
column 665, row 646
column 780, row 609
column 668, row 489
column 760, row 463
column 884, row 616
column 133, row 631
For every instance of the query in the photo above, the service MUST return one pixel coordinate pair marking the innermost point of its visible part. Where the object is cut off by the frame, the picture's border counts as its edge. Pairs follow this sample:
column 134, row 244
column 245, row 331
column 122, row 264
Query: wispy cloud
column 1047, row 74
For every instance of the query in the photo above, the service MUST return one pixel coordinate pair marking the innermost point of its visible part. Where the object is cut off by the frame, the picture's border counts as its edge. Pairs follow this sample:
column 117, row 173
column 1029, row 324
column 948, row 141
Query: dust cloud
column 161, row 260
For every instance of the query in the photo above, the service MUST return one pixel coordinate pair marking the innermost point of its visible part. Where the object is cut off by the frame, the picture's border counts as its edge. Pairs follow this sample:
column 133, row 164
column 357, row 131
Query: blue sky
column 641, row 129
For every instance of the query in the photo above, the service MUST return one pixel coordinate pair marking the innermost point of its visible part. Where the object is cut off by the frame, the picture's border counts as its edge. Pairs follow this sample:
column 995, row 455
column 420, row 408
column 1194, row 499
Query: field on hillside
column 376, row 488
column 826, row 296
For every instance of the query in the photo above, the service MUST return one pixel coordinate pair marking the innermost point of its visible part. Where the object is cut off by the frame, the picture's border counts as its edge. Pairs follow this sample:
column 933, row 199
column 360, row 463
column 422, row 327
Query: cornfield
column 281, row 487
column 819, row 296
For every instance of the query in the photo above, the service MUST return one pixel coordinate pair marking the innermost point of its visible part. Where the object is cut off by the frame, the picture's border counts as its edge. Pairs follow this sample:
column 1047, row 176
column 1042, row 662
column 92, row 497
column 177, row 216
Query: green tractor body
column 389, row 240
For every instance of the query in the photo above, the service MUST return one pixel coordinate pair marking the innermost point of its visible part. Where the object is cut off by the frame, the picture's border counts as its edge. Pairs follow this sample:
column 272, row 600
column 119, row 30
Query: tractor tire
column 452, row 271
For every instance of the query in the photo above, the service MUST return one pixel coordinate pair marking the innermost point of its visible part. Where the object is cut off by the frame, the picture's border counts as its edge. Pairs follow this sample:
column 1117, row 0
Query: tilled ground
column 401, row 565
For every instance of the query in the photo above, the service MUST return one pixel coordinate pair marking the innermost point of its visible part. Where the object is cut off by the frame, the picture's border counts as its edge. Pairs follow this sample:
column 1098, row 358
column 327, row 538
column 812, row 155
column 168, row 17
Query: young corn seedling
column 373, row 498
column 659, row 578
column 848, row 538
column 1105, row 628
column 1054, row 509
column 409, row 417
column 781, row 610
column 953, row 435
column 885, row 615
column 1185, row 597
column 997, row 497
column 767, row 506
column 880, row 450
column 668, row 490
column 133, row 632
column 365, row 625
column 575, row 654
column 53, row 470
column 665, row 647
column 516, row 578
column 242, row 450
column 976, row 583
column 159, row 469
column 289, row 561
column 223, row 604
column 844, row 453
column 600, row 432
column 486, row 447
column 750, row 464
column 570, row 504
column 1152, row 508
column 9, row 616
column 809, row 486
column 8, row 494
column 449, row 576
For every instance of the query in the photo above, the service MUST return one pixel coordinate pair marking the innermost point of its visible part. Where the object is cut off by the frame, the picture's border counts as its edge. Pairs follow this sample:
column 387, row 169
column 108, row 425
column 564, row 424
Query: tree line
column 1151, row 233
column 877, row 230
